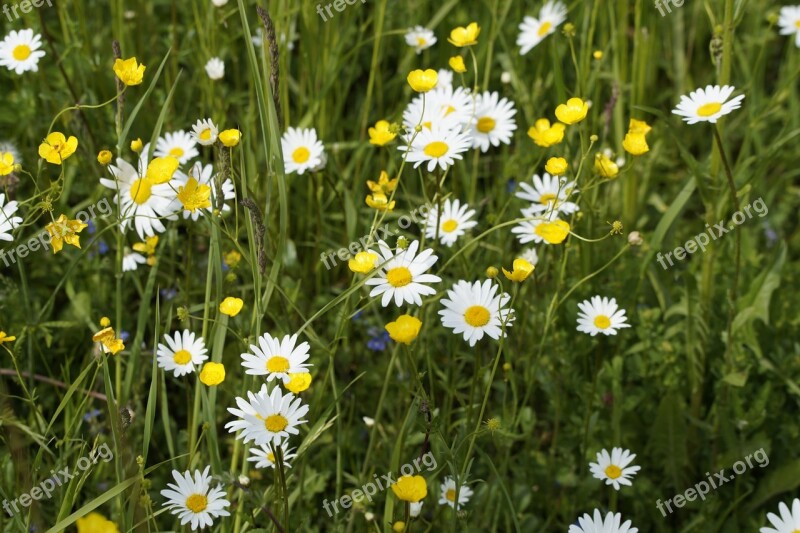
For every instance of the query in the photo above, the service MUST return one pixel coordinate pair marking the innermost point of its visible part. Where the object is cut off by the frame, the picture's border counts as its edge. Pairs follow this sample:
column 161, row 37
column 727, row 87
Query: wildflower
column 457, row 64
column 56, row 148
column 445, row 79
column 454, row 222
column 182, row 353
column 298, row 382
column 556, row 166
column 379, row 201
column 215, row 68
column 614, row 468
column 494, row 121
column 548, row 195
column 193, row 500
column 379, row 339
column 573, row 111
column 194, row 196
column 708, row 105
column 95, row 523
column 405, row 329
column 789, row 21
column 444, row 107
column 178, row 144
column 302, row 151
column 437, row 146
column 553, row 232
column 448, row 496
column 363, row 262
column 231, row 306
column 493, row 424
column 635, row 143
column 6, row 163
column 597, row 54
column 601, row 315
column 212, row 374
column 593, row 524
column 104, row 157
column 205, row 132
column 521, row 270
column 492, row 272
column 545, row 135
column 402, row 275
column 380, row 135
column 604, row 166
column 108, row 338
column 414, row 509
column 161, row 169
column 232, row 258
column 132, row 260
column 787, row 522
column 532, row 31
column 264, row 457
column 635, row 238
column 136, row 145
column 422, row 81
column 63, row 231
column 4, row 337
column 148, row 246
column 276, row 358
column 129, row 71
column 19, row 51
column 8, row 222
column 230, row 137
column 420, row 38
column 475, row 310
column 461, row 36
column 639, row 126
column 399, row 526
column 410, row 488
column 384, row 184
column 267, row 417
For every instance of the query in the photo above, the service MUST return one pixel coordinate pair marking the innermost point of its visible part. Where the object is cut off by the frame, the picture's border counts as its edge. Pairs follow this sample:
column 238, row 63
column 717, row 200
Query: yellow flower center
column 182, row 357
column 602, row 322
column 450, row 495
column 485, row 124
column 547, row 198
column 271, row 457
column 613, row 471
column 275, row 423
column 711, row 108
column 301, row 155
column 477, row 316
column 176, row 152
column 449, row 226
column 21, row 52
column 449, row 109
column 544, row 28
column 399, row 277
column 197, row 503
column 436, row 149
column 797, row 24
column 141, row 190
column 277, row 364
column 421, row 41
column 205, row 134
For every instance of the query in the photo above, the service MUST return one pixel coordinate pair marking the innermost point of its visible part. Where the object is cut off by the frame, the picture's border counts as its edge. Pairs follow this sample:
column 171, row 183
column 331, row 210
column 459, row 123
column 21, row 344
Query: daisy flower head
column 601, row 315
column 205, row 132
column 437, row 146
column 8, row 221
column 475, row 309
column 264, row 457
column 420, row 38
column 612, row 523
column 19, row 51
column 204, row 176
column 448, row 496
column 789, row 22
column 445, row 107
column 181, row 353
column 179, row 144
column 614, row 468
column 276, row 358
column 193, row 500
column 402, row 275
column 132, row 260
column 787, row 522
column 302, row 151
column 494, row 121
column 266, row 417
column 549, row 194
column 707, row 105
column 454, row 222
column 532, row 30
column 215, row 68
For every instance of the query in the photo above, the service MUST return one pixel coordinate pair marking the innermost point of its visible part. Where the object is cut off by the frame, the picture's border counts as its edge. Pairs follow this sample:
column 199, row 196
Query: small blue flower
column 90, row 227
column 169, row 294
column 124, row 335
column 94, row 413
column 102, row 247
column 511, row 185
column 379, row 341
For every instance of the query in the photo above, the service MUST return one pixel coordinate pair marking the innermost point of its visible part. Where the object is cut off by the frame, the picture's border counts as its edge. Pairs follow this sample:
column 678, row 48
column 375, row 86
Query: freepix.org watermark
column 702, row 488
column 26, row 6
column 45, row 489
column 338, row 5
column 714, row 232
column 379, row 484
column 662, row 4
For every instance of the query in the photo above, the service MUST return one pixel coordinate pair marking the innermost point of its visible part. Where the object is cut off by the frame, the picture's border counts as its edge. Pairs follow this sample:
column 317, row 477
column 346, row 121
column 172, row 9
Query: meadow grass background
column 676, row 388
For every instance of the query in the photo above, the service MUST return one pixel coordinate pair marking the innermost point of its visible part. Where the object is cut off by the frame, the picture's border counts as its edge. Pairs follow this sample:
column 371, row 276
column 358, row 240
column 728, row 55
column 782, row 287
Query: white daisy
column 532, row 31
column 530, row 256
column 445, row 107
column 611, row 524
column 302, row 151
column 215, row 68
column 494, row 121
column 204, row 175
column 132, row 260
column 142, row 203
column 788, row 522
column 7, row 219
column 444, row 79
column 437, row 146
column 453, row 223
column 179, row 144
column 205, row 132
column 614, row 468
column 19, row 51
column 182, row 353
column 549, row 194
column 276, row 358
column 420, row 38
column 267, row 417
column 789, row 21
column 193, row 500
column 448, row 496
column 403, row 274
column 601, row 315
column 707, row 105
column 264, row 457
column 474, row 310
column 526, row 230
